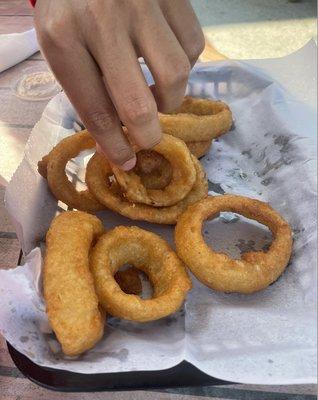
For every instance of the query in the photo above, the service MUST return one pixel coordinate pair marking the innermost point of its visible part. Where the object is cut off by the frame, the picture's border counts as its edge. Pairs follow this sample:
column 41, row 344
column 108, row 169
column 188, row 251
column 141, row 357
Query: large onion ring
column 69, row 293
column 59, row 184
column 197, row 120
column 183, row 176
column 256, row 270
column 97, row 173
column 151, row 254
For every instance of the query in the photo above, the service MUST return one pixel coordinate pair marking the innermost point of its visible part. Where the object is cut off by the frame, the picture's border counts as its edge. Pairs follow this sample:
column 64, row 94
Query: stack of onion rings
column 151, row 254
column 182, row 180
column 108, row 193
column 103, row 194
column 197, row 122
column 256, row 270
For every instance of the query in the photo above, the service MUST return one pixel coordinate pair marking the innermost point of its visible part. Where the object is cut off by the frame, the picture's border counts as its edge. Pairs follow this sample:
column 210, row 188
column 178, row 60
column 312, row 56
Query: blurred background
column 257, row 28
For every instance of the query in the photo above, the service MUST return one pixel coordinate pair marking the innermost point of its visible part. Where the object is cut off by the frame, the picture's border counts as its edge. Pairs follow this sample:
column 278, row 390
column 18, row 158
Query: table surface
column 17, row 118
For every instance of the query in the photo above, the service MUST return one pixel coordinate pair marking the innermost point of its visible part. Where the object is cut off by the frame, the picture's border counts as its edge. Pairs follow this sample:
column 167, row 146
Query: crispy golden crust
column 151, row 254
column 71, row 301
column 129, row 281
column 42, row 166
column 155, row 171
column 197, row 120
column 199, row 149
column 256, row 270
column 183, row 176
column 59, row 184
column 97, row 173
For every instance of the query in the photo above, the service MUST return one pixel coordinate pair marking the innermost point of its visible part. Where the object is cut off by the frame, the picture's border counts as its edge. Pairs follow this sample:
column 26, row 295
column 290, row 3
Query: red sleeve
column 33, row 2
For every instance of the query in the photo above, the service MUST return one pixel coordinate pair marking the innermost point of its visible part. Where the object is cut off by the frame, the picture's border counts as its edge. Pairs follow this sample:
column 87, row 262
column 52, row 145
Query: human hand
column 93, row 46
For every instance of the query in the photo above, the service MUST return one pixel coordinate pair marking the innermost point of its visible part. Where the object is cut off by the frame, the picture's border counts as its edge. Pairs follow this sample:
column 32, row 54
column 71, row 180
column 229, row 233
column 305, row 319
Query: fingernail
column 128, row 165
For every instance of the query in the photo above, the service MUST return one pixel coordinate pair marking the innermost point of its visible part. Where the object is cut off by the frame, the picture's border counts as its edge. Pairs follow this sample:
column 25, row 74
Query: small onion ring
column 183, row 176
column 59, row 184
column 153, row 169
column 149, row 253
column 97, row 173
column 256, row 270
column 197, row 120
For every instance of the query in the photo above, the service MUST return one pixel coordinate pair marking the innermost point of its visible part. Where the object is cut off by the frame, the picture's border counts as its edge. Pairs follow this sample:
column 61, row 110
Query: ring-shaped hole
column 234, row 235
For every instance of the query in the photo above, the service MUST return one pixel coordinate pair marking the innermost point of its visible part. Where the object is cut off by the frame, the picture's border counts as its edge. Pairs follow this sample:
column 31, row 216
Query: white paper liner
column 268, row 337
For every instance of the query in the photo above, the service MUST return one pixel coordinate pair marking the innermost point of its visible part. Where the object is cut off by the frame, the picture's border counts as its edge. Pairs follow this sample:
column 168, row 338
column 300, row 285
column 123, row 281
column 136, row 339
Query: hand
column 93, row 46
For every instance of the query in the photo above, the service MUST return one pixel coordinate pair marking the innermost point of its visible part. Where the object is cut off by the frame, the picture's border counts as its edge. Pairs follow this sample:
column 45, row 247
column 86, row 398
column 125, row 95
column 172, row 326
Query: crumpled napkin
column 16, row 47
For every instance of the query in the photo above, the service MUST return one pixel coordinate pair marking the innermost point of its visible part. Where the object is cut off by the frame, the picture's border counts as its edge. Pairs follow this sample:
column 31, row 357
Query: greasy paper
column 270, row 154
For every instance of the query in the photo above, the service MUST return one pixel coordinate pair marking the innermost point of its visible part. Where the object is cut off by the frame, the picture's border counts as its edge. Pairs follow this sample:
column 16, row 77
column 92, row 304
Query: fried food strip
column 183, row 176
column 59, row 184
column 69, row 293
column 98, row 172
column 256, row 270
column 149, row 253
column 197, row 120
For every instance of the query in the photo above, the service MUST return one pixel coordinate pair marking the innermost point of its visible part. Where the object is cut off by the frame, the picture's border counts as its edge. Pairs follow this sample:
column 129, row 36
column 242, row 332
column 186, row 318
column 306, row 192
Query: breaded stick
column 71, row 301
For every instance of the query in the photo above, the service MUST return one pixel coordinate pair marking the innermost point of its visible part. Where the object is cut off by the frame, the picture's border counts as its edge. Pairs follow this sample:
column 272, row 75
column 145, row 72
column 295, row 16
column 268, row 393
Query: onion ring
column 151, row 254
column 153, row 169
column 42, row 166
column 197, row 120
column 98, row 172
column 199, row 149
column 182, row 180
column 69, row 293
column 59, row 184
column 256, row 270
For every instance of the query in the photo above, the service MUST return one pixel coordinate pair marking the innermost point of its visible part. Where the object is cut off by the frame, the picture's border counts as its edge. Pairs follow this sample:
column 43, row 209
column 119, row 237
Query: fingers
column 79, row 76
column 186, row 27
column 128, row 90
column 165, row 57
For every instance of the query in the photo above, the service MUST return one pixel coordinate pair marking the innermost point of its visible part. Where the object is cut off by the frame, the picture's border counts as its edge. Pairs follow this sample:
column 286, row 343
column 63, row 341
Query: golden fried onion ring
column 98, row 172
column 256, row 270
column 149, row 253
column 59, row 184
column 183, row 176
column 199, row 149
column 197, row 120
column 69, row 293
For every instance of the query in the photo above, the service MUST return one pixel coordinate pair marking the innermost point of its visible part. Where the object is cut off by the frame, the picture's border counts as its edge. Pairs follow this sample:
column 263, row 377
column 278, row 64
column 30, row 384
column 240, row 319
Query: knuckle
column 95, row 8
column 56, row 33
column 100, row 122
column 177, row 75
column 138, row 110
